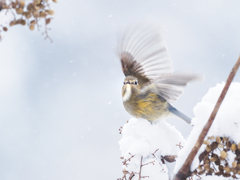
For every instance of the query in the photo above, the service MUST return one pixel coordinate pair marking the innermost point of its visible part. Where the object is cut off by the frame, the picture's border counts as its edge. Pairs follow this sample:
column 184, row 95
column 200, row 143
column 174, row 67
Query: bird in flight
column 149, row 87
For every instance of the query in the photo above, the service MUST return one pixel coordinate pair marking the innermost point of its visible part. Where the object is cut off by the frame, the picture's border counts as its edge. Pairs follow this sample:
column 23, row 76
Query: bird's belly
column 150, row 108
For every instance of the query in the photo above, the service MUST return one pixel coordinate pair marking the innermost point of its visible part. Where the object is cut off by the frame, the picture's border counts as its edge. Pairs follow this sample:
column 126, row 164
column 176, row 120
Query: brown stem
column 185, row 172
column 140, row 169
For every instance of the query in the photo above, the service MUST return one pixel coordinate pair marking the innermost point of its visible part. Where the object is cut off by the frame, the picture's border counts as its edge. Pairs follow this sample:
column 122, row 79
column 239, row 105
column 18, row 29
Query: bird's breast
column 127, row 93
column 148, row 106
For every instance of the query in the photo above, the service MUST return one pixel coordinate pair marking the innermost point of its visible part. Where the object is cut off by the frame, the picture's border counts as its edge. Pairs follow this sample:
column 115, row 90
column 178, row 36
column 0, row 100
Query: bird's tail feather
column 179, row 114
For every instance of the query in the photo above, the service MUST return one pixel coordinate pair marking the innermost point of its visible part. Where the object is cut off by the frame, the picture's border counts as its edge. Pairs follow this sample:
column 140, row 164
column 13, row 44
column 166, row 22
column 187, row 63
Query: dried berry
column 228, row 145
column 207, row 161
column 201, row 172
column 125, row 171
column 220, row 168
column 50, row 12
column 220, row 145
column 202, row 156
column 5, row 28
column 14, row 5
column 234, row 170
column 19, row 10
column 211, row 137
column 22, row 4
column 223, row 154
column 33, row 22
column 170, row 158
column 213, row 159
column 43, row 14
column 12, row 23
column 208, row 148
column 48, row 20
column 36, row 14
column 225, row 139
column 31, row 27
column 218, row 139
column 217, row 162
column 200, row 167
column 211, row 170
column 28, row 15
column 22, row 22
column 36, row 8
column 214, row 145
column 206, row 142
column 227, row 169
column 206, row 167
column 233, row 147
column 41, row 6
column 30, row 7
column 37, row 2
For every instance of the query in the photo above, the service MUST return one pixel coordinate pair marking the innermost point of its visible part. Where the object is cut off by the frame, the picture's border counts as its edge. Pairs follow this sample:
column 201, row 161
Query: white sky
column 61, row 107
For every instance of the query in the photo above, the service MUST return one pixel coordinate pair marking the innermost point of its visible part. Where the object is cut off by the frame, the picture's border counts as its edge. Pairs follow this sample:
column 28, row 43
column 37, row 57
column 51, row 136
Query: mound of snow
column 149, row 142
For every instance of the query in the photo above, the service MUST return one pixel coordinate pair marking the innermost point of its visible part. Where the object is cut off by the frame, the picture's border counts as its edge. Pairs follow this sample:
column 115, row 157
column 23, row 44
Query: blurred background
column 60, row 103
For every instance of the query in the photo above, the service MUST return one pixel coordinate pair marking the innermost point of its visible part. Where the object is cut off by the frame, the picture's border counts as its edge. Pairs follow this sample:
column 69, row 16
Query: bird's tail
column 179, row 114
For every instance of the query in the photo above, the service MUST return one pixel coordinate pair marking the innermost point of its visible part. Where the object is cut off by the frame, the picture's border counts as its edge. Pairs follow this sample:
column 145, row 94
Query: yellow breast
column 146, row 105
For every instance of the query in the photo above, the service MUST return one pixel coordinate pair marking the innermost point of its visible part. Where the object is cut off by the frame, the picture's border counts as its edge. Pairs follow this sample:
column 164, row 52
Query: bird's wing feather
column 143, row 53
column 171, row 86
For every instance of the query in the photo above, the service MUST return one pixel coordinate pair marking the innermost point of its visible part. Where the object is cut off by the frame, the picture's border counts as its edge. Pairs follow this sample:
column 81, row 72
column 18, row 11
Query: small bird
column 149, row 85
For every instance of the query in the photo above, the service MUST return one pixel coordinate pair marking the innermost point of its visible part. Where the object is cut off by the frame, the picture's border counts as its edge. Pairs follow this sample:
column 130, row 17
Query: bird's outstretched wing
column 171, row 86
column 143, row 53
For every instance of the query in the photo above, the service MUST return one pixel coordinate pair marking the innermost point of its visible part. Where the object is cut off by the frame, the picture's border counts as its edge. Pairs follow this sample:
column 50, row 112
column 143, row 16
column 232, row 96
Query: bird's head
column 130, row 86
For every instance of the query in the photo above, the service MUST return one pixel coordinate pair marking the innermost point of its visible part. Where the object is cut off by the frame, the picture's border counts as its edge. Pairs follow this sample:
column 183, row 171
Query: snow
column 226, row 123
column 141, row 138
column 231, row 158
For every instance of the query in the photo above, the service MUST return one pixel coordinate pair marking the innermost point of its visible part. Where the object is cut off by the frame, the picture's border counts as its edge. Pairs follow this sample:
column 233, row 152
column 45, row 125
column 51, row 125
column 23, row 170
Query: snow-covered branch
column 185, row 171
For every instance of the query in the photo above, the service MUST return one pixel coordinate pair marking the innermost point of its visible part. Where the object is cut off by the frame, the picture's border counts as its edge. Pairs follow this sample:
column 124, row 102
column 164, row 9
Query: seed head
column 31, row 27
column 218, row 139
column 19, row 10
column 5, row 28
column 233, row 147
column 22, row 4
column 223, row 154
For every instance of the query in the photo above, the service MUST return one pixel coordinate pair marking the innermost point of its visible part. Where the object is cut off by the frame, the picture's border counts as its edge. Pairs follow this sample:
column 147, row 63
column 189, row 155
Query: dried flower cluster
column 215, row 160
column 27, row 14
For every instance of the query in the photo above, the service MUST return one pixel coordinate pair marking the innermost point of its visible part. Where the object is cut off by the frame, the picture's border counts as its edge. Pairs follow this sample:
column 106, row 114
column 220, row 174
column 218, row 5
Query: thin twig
column 140, row 169
column 179, row 145
column 46, row 32
column 185, row 172
column 152, row 162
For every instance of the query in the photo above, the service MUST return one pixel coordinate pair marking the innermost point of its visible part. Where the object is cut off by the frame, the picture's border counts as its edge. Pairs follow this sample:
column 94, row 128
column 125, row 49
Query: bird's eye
column 136, row 83
column 123, row 82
